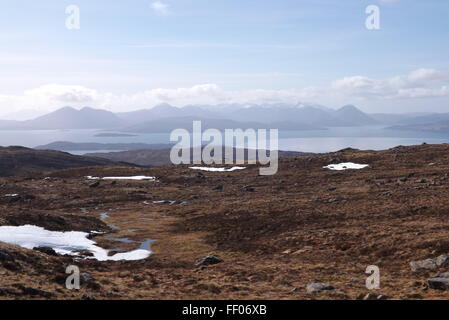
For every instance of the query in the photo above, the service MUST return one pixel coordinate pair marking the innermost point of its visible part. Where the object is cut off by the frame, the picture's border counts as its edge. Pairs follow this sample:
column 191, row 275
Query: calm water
column 333, row 139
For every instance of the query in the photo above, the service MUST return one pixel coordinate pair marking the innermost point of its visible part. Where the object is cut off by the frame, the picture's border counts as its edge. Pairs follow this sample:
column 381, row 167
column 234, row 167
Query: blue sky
column 134, row 54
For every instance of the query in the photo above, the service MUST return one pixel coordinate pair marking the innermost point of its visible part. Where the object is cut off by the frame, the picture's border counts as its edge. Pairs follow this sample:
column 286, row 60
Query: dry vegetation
column 304, row 224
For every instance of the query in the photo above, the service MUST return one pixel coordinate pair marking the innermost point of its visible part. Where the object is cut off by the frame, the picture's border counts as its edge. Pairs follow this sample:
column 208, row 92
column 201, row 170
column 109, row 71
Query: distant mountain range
column 68, row 118
column 164, row 118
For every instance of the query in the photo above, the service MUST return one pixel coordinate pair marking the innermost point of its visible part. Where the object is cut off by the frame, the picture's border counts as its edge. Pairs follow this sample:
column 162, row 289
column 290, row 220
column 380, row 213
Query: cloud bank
column 421, row 83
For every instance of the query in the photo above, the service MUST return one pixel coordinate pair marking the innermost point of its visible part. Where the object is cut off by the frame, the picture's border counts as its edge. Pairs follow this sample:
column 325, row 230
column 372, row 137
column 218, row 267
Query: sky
column 128, row 55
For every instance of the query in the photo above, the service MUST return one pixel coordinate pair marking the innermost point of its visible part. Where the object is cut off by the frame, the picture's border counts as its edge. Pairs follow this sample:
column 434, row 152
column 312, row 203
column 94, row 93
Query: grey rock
column 248, row 188
column 402, row 180
column 315, row 287
column 439, row 282
column 428, row 264
column 86, row 277
column 209, row 260
column 442, row 260
column 46, row 250
column 94, row 184
column 200, row 176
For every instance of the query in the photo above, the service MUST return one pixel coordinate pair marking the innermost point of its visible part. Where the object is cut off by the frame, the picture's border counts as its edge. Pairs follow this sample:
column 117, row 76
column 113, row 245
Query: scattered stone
column 402, row 180
column 94, row 184
column 113, row 183
column 375, row 296
column 428, row 264
column 209, row 260
column 86, row 297
column 200, row 176
column 421, row 181
column 439, row 282
column 85, row 253
column 218, row 188
column 442, row 260
column 331, row 188
column 248, row 188
column 86, row 277
column 88, row 280
column 46, row 250
column 315, row 287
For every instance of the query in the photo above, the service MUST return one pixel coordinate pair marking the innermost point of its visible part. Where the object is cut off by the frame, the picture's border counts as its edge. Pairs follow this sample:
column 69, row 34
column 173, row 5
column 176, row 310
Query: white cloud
column 160, row 7
column 62, row 94
column 416, row 84
column 421, row 83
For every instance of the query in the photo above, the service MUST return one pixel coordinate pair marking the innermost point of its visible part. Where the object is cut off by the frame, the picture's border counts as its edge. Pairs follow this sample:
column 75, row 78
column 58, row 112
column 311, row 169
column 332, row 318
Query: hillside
column 273, row 234
column 92, row 146
column 161, row 157
column 20, row 161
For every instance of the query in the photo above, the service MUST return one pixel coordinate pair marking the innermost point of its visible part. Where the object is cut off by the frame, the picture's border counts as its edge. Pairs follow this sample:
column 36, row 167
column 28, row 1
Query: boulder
column 209, row 260
column 315, row 287
column 439, row 282
column 46, row 250
column 94, row 184
column 248, row 188
column 442, row 260
column 428, row 264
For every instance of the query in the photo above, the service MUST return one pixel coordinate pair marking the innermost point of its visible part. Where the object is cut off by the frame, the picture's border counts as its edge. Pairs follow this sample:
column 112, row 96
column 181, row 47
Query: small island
column 113, row 135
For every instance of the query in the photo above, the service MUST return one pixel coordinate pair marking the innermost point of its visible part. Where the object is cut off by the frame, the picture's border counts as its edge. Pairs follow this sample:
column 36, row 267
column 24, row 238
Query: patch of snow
column 217, row 169
column 65, row 243
column 123, row 178
column 11, row 195
column 346, row 166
